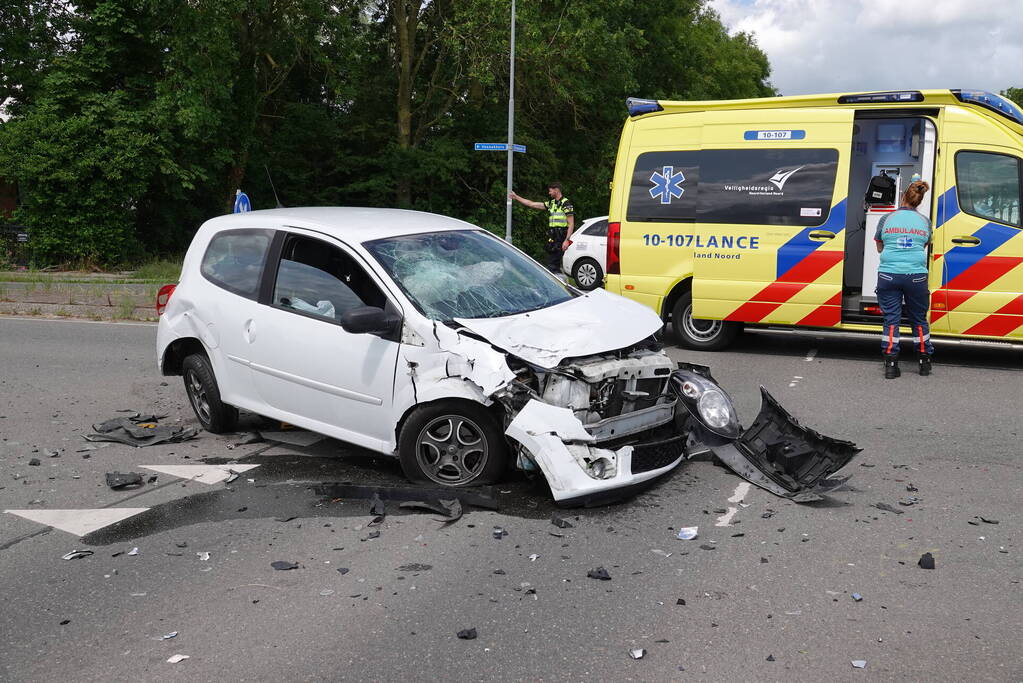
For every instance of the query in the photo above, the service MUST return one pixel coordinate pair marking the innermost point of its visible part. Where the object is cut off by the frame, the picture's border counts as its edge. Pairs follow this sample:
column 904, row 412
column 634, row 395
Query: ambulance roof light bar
column 637, row 106
column 875, row 97
column 991, row 101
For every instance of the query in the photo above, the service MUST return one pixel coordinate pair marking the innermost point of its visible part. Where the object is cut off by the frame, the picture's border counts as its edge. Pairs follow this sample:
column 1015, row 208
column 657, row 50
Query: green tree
column 1014, row 94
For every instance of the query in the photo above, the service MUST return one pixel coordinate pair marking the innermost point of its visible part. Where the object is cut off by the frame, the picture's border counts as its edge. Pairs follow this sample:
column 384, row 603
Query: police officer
column 561, row 219
column 902, row 239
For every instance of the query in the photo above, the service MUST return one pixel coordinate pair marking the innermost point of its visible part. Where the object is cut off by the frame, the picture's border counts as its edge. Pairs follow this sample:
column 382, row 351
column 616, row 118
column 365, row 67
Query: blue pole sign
column 519, row 148
column 241, row 202
column 497, row 147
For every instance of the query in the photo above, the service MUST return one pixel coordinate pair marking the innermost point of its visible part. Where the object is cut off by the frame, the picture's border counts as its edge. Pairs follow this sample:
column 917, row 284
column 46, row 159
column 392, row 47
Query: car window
column 321, row 280
column 234, row 260
column 466, row 274
column 598, row 229
column 988, row 186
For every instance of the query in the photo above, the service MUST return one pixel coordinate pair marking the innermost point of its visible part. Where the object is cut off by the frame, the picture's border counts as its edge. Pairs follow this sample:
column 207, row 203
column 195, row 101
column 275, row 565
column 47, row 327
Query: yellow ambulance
column 732, row 213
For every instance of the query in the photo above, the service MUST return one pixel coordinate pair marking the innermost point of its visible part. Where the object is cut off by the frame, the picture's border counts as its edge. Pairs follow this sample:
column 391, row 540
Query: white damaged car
column 427, row 338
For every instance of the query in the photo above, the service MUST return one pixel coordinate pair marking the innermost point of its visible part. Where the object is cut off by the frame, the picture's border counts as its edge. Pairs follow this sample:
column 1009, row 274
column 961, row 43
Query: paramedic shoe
column 891, row 366
column 925, row 364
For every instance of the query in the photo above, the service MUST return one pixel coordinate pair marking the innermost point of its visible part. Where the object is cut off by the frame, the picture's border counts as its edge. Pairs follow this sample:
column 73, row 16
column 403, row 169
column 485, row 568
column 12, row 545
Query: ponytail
column 914, row 194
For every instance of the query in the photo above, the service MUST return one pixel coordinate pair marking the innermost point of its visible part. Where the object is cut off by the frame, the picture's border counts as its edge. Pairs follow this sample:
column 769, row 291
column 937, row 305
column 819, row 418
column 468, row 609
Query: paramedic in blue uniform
column 561, row 218
column 902, row 239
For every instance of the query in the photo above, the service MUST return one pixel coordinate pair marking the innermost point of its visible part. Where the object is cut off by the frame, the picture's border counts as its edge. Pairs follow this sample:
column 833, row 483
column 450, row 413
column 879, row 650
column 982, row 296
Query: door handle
column 822, row 235
column 250, row 331
column 969, row 240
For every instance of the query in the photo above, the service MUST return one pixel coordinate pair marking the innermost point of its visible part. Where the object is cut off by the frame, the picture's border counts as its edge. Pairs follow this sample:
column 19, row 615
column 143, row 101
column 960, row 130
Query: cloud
column 821, row 46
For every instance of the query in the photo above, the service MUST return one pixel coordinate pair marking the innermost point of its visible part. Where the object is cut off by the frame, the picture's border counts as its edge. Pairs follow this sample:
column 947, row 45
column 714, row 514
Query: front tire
column 695, row 333
column 213, row 414
column 452, row 443
column 587, row 274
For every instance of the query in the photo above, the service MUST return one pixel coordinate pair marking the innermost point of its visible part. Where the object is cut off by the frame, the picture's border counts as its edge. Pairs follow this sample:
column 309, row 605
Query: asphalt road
column 771, row 600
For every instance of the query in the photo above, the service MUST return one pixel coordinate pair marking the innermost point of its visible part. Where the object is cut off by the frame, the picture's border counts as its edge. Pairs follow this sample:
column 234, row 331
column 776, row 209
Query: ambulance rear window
column 734, row 186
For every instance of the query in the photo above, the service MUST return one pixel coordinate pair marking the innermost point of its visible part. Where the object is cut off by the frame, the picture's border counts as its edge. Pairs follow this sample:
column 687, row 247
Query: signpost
column 241, row 202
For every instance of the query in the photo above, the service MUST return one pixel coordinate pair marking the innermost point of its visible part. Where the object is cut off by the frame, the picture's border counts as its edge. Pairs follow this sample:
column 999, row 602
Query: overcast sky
column 823, row 46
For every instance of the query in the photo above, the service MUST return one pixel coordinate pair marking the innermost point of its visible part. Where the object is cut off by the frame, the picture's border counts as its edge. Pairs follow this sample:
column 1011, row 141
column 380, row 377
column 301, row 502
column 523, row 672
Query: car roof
column 344, row 222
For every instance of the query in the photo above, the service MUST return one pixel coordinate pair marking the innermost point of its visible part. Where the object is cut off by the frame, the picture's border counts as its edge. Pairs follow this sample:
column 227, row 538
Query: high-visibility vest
column 559, row 210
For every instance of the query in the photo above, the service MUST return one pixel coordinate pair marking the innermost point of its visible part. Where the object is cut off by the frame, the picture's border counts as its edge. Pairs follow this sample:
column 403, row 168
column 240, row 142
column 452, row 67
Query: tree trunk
column 406, row 24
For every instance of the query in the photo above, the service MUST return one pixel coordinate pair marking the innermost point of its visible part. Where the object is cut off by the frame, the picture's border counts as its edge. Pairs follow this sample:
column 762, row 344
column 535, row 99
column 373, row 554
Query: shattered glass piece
column 467, row 634
column 500, row 532
column 168, row 636
column 123, row 480
column 857, row 597
column 688, row 533
column 533, row 557
column 174, row 659
column 76, row 554
column 926, row 561
column 599, row 573
column 203, row 556
column 283, row 565
column 133, row 552
column 637, row 653
column 859, row 663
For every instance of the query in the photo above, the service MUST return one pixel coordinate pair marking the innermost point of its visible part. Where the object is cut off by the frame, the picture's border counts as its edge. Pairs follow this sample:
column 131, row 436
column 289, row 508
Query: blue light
column 637, row 106
column 1005, row 107
column 872, row 97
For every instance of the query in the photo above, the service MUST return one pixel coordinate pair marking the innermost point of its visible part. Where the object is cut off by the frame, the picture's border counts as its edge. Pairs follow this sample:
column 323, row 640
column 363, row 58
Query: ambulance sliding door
column 775, row 182
column 978, row 225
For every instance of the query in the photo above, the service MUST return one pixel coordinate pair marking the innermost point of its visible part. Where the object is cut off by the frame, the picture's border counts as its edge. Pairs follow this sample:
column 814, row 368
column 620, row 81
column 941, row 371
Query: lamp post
column 511, row 130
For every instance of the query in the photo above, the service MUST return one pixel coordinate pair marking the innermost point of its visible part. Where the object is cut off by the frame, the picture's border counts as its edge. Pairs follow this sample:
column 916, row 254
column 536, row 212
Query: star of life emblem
column 667, row 184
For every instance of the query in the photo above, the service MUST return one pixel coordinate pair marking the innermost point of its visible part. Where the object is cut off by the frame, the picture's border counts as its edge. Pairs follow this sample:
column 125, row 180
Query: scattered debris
column 373, row 534
column 662, row 553
column 284, row 519
column 767, row 515
column 326, row 591
column 204, row 556
column 450, row 508
column 560, row 522
column 283, row 566
column 124, row 480
column 467, row 634
column 926, row 561
column 343, row 570
column 140, row 430
column 911, row 488
column 34, row 462
column 376, row 506
column 887, row 508
column 637, row 653
column 770, row 658
column 763, row 560
column 250, row 438
column 168, row 636
column 174, row 659
column 681, row 601
column 77, row 554
column 415, row 567
column 983, row 519
column 500, row 532
column 706, row 546
column 232, row 475
column 599, row 573
column 500, row 572
column 534, row 557
column 857, row 597
column 907, row 502
column 859, row 663
column 133, row 552
column 688, row 533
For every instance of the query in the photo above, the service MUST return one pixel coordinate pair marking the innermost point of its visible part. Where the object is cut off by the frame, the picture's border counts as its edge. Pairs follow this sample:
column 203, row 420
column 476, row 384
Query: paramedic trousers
column 892, row 290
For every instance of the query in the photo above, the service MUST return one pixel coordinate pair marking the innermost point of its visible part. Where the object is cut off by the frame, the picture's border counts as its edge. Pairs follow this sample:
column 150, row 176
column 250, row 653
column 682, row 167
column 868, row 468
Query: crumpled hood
column 594, row 323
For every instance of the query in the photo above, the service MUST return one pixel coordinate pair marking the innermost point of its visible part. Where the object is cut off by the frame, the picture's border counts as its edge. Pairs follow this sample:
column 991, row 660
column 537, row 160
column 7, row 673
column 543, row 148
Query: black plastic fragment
column 987, row 521
column 599, row 573
column 926, row 561
column 282, row 565
column 343, row 570
column 34, row 462
column 769, row 658
column 561, row 522
column 680, row 601
column 124, row 480
column 708, row 547
column 467, row 634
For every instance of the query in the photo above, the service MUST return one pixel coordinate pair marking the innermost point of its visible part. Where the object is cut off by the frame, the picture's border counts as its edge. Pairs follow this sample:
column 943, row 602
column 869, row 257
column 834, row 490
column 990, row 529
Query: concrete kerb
column 97, row 299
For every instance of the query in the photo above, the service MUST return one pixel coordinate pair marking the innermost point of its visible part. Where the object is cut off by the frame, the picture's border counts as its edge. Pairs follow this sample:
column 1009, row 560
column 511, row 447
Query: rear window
column 234, row 260
column 735, row 186
column 598, row 229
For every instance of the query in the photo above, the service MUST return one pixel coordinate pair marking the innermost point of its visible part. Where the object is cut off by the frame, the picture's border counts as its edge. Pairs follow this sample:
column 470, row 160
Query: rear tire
column 702, row 335
column 213, row 414
column 452, row 443
column 587, row 274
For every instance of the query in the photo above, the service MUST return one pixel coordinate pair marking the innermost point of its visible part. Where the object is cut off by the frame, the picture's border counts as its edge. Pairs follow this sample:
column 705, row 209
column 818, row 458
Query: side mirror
column 370, row 320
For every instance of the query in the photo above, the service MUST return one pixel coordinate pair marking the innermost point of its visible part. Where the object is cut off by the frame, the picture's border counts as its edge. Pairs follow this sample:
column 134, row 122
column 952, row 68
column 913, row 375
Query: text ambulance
column 753, row 212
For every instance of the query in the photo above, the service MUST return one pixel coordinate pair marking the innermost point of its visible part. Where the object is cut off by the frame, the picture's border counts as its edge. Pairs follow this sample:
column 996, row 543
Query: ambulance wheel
column 452, row 443
column 587, row 274
column 702, row 335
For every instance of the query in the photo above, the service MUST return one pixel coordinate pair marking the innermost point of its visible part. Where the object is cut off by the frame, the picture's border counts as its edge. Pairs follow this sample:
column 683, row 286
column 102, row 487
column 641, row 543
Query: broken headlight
column 705, row 400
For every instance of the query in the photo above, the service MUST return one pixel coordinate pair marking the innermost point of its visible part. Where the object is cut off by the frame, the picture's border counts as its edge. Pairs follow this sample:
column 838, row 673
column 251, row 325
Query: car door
column 304, row 363
column 769, row 231
column 978, row 224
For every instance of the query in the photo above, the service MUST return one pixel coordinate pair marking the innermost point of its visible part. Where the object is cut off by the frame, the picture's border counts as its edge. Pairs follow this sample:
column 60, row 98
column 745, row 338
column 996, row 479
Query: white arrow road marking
column 205, row 474
column 78, row 522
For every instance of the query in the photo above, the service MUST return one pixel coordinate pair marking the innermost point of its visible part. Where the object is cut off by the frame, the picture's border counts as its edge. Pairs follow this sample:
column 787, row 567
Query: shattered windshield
column 466, row 274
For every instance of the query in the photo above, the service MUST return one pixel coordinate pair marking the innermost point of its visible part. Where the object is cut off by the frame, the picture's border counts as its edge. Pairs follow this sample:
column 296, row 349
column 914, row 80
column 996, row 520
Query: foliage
column 1014, row 94
column 139, row 118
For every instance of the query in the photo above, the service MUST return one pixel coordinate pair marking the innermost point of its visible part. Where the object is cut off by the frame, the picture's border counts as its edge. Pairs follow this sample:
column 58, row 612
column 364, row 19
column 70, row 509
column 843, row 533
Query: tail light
column 614, row 242
column 872, row 309
column 568, row 243
column 163, row 298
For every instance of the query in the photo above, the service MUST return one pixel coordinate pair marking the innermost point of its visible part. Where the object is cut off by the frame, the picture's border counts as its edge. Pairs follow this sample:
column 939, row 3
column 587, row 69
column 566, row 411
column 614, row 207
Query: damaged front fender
column 779, row 455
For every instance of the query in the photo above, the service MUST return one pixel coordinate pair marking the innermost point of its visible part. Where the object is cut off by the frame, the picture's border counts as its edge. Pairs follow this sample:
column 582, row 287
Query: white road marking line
column 740, row 493
column 78, row 522
column 204, row 474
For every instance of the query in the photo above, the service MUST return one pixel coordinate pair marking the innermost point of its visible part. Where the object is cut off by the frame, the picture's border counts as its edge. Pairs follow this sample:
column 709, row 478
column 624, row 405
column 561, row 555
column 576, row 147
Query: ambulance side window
column 664, row 187
column 766, row 186
column 988, row 186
